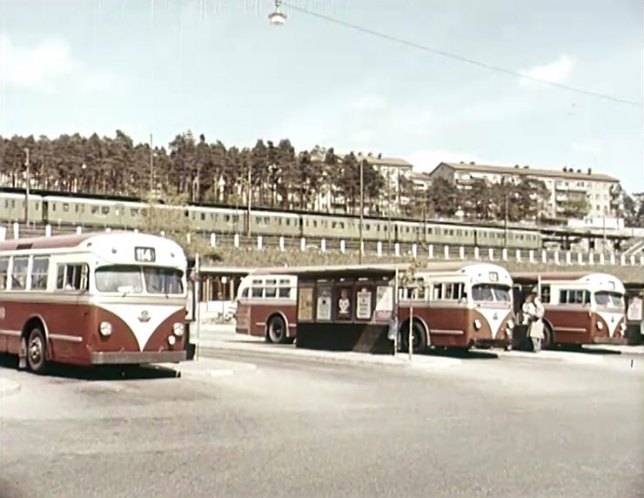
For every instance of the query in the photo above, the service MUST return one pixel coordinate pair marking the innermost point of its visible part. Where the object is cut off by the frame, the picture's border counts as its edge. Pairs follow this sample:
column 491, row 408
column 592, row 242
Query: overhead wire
column 457, row 57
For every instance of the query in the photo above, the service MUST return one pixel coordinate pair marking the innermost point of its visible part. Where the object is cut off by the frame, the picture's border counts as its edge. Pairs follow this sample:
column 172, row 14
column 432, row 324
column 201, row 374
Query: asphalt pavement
column 278, row 426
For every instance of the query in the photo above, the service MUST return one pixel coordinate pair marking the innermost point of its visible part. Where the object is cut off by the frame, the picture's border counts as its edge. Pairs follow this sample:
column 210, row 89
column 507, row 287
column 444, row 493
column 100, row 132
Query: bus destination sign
column 144, row 254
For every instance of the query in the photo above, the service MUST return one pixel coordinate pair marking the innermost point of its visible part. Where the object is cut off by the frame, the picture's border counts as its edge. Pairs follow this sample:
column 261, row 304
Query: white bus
column 580, row 308
column 97, row 298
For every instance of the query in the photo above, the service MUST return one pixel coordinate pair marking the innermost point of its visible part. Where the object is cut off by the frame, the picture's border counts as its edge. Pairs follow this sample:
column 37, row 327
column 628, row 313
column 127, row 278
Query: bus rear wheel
column 546, row 343
column 277, row 330
column 419, row 338
column 36, row 351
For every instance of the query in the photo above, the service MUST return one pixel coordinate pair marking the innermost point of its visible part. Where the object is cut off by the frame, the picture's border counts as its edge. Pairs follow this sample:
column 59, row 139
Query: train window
column 37, row 206
column 77, row 207
column 315, row 223
column 430, row 230
column 367, row 227
column 226, row 217
column 19, row 273
column 4, row 271
column 39, row 270
column 105, row 210
column 203, row 216
column 53, row 206
column 235, row 218
column 134, row 212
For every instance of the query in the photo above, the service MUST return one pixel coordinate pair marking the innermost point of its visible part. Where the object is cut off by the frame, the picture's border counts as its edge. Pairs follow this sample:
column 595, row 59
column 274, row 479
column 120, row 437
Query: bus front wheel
column 419, row 338
column 36, row 351
column 277, row 330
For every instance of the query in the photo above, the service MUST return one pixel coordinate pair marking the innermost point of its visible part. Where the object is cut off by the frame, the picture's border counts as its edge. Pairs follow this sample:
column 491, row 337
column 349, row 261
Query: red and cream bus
column 458, row 305
column 266, row 307
column 97, row 298
column 455, row 305
column 580, row 308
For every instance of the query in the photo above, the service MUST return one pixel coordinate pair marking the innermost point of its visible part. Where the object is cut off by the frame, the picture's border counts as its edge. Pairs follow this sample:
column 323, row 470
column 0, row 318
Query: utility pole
column 26, row 149
column 151, row 166
column 249, row 201
column 361, row 206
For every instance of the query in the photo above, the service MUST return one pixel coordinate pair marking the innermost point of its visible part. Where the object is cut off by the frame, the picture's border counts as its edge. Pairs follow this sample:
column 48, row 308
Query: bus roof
column 116, row 247
column 367, row 270
column 533, row 277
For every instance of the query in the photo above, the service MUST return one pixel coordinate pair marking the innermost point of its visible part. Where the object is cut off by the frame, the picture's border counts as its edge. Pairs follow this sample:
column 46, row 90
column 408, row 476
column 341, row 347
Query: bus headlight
column 105, row 328
column 477, row 324
column 177, row 328
column 600, row 326
column 172, row 340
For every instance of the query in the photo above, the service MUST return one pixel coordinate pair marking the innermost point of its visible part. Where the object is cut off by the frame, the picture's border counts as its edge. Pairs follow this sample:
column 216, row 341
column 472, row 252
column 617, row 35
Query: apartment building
column 602, row 191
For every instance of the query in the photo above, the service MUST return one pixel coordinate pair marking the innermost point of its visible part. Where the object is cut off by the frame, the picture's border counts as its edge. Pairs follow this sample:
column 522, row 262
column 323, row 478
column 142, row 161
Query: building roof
column 528, row 171
column 373, row 159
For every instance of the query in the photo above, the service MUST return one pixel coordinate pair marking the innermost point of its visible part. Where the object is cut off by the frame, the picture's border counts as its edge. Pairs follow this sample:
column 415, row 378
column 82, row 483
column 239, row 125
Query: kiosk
column 346, row 308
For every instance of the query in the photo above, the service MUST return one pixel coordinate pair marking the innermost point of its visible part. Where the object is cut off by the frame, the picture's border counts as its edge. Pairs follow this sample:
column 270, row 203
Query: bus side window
column 437, row 292
column 19, row 273
column 257, row 292
column 39, row 272
column 545, row 294
column 284, row 292
column 72, row 277
column 4, row 272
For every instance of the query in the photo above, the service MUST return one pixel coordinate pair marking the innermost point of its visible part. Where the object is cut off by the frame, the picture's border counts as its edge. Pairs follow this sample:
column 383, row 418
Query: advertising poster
column 384, row 303
column 305, row 304
column 363, row 307
column 343, row 304
column 324, row 304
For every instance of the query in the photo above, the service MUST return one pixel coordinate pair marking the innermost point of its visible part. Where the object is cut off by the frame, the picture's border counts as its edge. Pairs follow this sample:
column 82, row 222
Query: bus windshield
column 491, row 293
column 130, row 280
column 609, row 299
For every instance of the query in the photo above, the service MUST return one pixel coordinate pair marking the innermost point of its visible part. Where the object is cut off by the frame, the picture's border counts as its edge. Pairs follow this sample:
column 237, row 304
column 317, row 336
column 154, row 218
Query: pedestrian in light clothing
column 534, row 310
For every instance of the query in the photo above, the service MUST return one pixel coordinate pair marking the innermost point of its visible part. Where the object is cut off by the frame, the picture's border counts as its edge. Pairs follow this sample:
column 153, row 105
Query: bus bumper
column 132, row 358
column 610, row 340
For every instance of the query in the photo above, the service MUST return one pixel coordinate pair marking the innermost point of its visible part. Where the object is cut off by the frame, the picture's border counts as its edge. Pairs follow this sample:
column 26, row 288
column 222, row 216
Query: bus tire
column 547, row 343
column 36, row 350
column 276, row 330
column 419, row 337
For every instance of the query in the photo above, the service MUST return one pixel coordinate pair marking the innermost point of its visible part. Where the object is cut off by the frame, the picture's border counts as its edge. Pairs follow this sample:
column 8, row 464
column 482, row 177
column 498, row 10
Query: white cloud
column 369, row 103
column 428, row 159
column 50, row 66
column 555, row 72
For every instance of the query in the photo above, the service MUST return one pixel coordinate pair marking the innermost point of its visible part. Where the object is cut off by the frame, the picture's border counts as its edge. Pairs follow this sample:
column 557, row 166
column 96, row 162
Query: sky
column 218, row 67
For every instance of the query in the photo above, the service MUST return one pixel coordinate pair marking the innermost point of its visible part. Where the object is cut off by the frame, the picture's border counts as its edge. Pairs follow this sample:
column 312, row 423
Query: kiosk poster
column 343, row 304
column 363, row 308
column 305, row 304
column 324, row 304
column 384, row 302
column 634, row 312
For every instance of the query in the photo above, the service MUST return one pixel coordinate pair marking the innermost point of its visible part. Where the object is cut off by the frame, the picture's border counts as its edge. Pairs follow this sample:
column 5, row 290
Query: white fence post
column 47, row 230
column 461, row 252
column 504, row 254
column 622, row 259
column 531, row 255
column 323, row 245
column 414, row 250
column 632, row 259
column 446, row 252
column 189, row 238
column 612, row 258
column 490, row 254
column 343, row 246
column 16, row 231
column 213, row 240
column 544, row 256
column 602, row 258
column 282, row 244
column 518, row 257
column 236, row 240
column 79, row 230
column 302, row 244
column 379, row 248
column 397, row 249
column 591, row 258
column 580, row 258
column 568, row 257
column 260, row 242
column 556, row 257
column 430, row 251
column 477, row 253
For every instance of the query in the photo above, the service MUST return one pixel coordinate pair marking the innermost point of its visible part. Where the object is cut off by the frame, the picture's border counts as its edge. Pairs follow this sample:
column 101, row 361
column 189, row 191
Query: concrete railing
column 389, row 250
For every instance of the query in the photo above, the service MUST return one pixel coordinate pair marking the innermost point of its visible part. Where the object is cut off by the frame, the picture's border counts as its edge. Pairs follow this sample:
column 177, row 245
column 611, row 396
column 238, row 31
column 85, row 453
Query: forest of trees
column 210, row 172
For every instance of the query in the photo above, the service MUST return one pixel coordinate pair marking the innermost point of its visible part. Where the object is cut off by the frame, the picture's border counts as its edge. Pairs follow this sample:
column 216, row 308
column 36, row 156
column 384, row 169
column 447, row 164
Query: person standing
column 535, row 311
